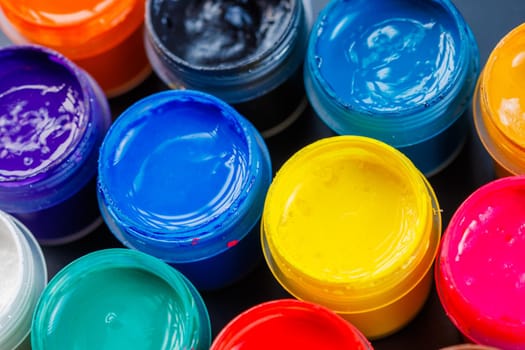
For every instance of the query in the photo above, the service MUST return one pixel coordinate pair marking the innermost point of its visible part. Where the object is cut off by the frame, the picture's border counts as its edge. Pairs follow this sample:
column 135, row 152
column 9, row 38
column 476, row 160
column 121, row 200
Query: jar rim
column 34, row 279
column 116, row 259
column 363, row 291
column 221, row 225
column 240, row 65
column 451, row 101
column 461, row 310
column 74, row 72
column 487, row 110
column 266, row 312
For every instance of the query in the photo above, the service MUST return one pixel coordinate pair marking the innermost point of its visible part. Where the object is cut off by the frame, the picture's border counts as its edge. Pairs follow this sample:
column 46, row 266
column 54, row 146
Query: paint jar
column 53, row 117
column 351, row 224
column 183, row 176
column 499, row 104
column 400, row 71
column 24, row 276
column 104, row 37
column 249, row 54
column 289, row 324
column 480, row 268
column 120, row 299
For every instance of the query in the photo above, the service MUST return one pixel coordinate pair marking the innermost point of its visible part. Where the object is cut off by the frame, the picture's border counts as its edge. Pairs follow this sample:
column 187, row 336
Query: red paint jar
column 289, row 324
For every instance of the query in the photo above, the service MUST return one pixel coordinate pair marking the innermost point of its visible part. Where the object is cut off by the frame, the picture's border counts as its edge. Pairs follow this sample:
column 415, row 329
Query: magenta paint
column 52, row 120
column 480, row 271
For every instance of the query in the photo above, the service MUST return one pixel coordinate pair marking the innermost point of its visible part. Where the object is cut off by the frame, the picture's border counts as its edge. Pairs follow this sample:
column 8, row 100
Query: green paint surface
column 116, row 308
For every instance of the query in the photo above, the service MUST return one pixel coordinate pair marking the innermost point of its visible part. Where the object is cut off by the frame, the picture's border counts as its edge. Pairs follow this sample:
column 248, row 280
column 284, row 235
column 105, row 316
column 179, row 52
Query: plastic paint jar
column 120, row 299
column 289, row 324
column 183, row 176
column 499, row 104
column 53, row 117
column 480, row 267
column 24, row 276
column 351, row 224
column 400, row 71
column 249, row 54
column 104, row 37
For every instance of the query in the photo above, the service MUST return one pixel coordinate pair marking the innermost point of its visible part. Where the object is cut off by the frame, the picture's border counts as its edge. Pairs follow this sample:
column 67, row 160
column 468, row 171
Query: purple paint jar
column 53, row 117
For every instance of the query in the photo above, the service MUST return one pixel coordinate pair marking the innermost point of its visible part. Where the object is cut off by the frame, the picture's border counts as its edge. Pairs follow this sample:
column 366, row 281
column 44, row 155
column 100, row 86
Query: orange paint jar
column 105, row 37
column 499, row 104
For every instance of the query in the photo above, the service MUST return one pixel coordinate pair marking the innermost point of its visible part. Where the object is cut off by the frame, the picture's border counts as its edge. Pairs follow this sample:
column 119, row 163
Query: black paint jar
column 248, row 53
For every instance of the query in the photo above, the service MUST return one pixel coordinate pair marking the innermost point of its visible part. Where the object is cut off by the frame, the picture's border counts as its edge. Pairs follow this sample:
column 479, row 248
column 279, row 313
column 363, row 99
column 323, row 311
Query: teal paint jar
column 400, row 71
column 120, row 299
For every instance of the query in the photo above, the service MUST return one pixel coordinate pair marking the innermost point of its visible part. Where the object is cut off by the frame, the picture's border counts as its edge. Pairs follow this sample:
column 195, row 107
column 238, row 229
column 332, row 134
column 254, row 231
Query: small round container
column 351, row 224
column 24, row 276
column 120, row 299
column 183, row 176
column 53, row 117
column 480, row 268
column 104, row 37
column 248, row 54
column 402, row 72
column 499, row 104
column 289, row 324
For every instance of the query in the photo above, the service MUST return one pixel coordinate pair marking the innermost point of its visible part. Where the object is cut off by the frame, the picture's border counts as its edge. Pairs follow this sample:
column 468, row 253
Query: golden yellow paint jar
column 104, row 37
column 499, row 104
column 351, row 224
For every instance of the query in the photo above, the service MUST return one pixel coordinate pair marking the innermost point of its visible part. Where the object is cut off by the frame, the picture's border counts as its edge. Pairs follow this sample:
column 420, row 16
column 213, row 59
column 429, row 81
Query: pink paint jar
column 289, row 324
column 480, row 269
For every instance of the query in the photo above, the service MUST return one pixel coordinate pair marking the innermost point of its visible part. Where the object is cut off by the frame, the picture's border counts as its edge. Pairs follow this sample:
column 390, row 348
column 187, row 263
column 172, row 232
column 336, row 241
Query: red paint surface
column 481, row 267
column 289, row 324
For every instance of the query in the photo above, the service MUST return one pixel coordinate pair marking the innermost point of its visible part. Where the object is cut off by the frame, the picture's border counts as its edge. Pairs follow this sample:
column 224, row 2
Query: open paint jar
column 120, row 299
column 401, row 71
column 24, row 276
column 183, row 177
column 53, row 118
column 351, row 224
column 480, row 268
column 104, row 37
column 499, row 104
column 247, row 53
column 289, row 324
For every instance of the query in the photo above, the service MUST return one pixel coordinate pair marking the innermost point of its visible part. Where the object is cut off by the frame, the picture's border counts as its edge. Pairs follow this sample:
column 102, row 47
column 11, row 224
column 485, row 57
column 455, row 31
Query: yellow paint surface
column 348, row 210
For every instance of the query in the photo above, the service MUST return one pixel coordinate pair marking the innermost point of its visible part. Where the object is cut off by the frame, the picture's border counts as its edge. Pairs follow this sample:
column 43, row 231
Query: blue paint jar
column 183, row 177
column 401, row 71
column 53, row 117
column 248, row 53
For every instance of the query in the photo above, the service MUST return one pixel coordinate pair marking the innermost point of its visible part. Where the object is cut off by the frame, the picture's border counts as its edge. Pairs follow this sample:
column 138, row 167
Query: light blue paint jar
column 401, row 71
column 183, row 177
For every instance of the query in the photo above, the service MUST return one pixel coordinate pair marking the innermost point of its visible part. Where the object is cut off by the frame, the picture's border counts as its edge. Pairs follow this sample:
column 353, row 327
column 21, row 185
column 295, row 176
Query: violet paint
column 53, row 117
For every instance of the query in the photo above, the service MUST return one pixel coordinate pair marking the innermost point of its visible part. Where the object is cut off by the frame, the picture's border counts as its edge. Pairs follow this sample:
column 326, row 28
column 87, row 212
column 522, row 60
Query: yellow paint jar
column 499, row 104
column 351, row 224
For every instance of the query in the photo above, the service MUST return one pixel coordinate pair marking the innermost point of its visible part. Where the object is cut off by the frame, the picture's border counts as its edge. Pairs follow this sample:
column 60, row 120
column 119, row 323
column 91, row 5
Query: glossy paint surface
column 395, row 55
column 213, row 33
column 176, row 166
column 287, row 324
column 480, row 275
column 120, row 299
column 42, row 113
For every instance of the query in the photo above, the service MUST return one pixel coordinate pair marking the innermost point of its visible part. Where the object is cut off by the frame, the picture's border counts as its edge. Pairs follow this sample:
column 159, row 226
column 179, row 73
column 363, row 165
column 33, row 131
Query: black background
column 490, row 21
